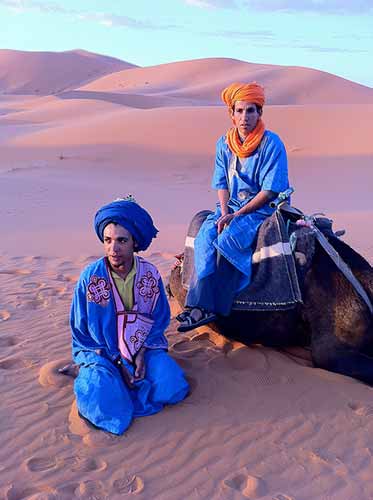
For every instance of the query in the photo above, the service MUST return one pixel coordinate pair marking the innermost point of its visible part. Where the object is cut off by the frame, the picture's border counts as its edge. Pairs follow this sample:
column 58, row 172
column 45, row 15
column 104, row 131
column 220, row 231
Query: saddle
column 283, row 254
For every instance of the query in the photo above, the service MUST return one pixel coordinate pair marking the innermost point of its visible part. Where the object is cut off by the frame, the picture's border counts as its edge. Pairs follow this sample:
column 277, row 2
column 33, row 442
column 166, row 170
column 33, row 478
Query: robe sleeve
column 219, row 179
column 84, row 344
column 161, row 317
column 273, row 175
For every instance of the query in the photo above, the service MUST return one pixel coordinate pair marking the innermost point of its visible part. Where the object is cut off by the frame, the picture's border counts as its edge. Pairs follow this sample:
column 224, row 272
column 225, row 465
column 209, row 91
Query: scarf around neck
column 252, row 141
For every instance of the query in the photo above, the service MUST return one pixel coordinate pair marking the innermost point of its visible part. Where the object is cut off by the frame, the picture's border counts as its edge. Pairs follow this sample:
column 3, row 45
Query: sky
column 330, row 35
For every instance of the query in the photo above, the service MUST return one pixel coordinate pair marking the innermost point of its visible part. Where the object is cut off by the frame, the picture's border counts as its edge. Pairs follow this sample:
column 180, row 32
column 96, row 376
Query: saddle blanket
column 274, row 285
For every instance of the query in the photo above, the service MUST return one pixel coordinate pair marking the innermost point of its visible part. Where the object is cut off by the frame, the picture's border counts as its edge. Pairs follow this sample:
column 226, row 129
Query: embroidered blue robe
column 102, row 396
column 244, row 178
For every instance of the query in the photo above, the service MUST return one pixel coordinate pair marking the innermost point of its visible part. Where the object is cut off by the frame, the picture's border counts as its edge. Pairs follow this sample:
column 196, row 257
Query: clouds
column 118, row 21
column 25, row 5
column 331, row 50
column 314, row 6
column 106, row 19
column 252, row 35
column 290, row 6
column 271, row 39
column 213, row 4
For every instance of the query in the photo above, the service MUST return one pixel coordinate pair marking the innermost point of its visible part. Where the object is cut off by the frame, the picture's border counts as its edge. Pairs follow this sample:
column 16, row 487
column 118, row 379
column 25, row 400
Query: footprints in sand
column 4, row 315
column 69, row 279
column 7, row 341
column 12, row 364
column 87, row 489
column 74, row 464
column 98, row 439
column 31, row 285
column 41, row 464
column 249, row 486
column 84, row 464
column 361, row 409
column 130, row 485
column 36, row 295
column 255, row 363
column 90, row 489
column 31, row 493
column 198, row 347
column 257, row 366
column 252, row 487
column 188, row 352
column 36, row 283
column 190, row 348
column 16, row 272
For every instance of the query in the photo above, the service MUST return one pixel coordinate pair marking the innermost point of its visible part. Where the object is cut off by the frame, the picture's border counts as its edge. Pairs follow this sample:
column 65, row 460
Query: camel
column 333, row 320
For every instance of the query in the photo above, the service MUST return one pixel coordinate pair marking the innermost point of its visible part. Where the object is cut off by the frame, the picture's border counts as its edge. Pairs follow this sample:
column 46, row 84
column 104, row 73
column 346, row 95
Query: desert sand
column 258, row 424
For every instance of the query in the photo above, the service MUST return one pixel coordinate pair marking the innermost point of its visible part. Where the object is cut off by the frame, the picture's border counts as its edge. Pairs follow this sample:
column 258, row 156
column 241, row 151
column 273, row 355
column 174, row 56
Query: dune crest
column 203, row 79
column 44, row 73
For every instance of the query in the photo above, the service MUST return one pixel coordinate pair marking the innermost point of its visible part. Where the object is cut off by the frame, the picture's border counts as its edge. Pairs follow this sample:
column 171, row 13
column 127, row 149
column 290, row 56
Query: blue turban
column 129, row 215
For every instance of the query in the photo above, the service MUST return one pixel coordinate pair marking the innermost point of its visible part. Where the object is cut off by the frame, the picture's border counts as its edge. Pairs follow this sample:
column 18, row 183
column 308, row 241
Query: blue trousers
column 104, row 399
column 216, row 291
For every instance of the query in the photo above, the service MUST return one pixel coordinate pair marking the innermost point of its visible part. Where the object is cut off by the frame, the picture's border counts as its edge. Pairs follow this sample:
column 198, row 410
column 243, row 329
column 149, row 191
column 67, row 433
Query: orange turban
column 251, row 92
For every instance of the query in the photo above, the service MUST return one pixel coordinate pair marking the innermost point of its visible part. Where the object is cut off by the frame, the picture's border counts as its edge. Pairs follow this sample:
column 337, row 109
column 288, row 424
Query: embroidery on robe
column 148, row 286
column 98, row 291
column 138, row 339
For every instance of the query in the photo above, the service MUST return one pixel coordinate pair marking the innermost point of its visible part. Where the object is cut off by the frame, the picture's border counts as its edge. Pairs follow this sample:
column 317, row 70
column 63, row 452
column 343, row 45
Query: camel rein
column 342, row 266
column 330, row 250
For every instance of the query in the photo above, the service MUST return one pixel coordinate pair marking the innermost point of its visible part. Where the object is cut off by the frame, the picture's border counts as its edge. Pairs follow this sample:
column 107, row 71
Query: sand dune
column 306, row 130
column 45, row 73
column 199, row 81
column 259, row 424
column 203, row 80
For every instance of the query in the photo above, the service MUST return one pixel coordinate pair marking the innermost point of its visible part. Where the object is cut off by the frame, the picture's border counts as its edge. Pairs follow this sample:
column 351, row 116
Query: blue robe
column 244, row 178
column 102, row 396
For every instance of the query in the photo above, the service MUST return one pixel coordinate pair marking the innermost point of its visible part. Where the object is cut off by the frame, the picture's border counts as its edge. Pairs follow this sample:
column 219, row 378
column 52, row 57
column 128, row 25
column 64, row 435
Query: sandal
column 183, row 316
column 191, row 323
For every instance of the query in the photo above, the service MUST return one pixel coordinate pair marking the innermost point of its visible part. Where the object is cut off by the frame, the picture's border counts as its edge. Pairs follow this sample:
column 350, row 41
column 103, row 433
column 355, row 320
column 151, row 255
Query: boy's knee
column 169, row 385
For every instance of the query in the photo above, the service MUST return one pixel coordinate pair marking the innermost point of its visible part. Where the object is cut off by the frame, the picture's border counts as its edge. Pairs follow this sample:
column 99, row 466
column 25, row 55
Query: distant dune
column 203, row 79
column 44, row 73
column 79, row 74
